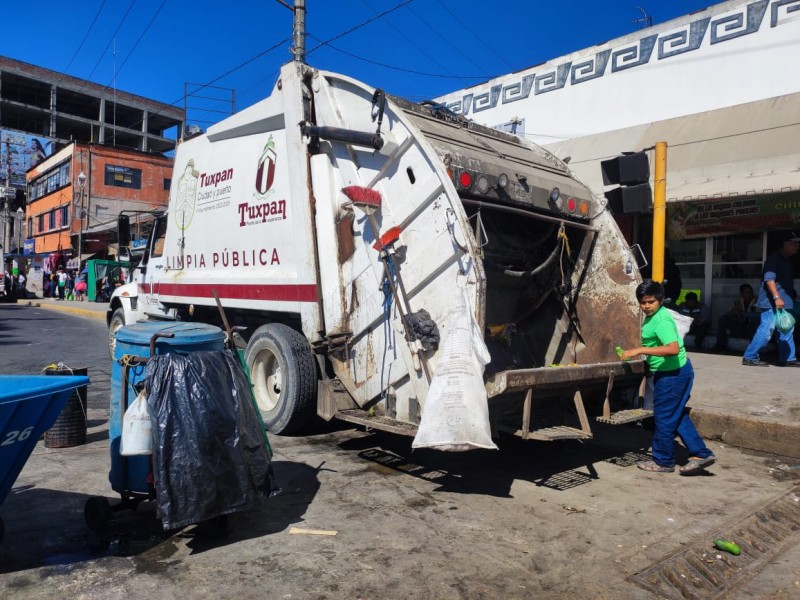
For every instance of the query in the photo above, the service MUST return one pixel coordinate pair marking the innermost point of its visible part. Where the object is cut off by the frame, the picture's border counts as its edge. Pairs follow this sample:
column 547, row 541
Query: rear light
column 465, row 180
column 584, row 208
column 483, row 184
column 502, row 181
column 571, row 204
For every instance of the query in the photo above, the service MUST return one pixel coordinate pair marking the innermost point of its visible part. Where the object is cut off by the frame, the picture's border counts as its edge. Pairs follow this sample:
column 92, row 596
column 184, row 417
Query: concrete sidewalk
column 748, row 407
column 93, row 310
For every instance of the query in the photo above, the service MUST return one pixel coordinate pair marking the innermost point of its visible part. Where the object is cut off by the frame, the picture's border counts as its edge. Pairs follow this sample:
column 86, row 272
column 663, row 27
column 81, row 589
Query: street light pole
column 82, row 183
column 20, row 215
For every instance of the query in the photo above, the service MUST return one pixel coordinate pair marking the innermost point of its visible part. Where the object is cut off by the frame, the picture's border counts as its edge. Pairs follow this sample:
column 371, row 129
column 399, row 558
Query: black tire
column 97, row 513
column 284, row 377
column 117, row 321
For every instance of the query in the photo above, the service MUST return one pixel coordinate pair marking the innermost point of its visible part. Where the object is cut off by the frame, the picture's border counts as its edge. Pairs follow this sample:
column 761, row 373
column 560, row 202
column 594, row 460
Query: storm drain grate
column 702, row 571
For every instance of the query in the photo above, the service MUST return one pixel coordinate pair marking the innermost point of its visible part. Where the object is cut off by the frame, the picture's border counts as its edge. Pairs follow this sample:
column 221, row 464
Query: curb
column 749, row 432
column 92, row 314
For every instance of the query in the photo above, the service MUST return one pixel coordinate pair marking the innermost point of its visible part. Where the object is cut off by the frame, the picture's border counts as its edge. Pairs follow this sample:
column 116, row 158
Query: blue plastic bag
column 784, row 321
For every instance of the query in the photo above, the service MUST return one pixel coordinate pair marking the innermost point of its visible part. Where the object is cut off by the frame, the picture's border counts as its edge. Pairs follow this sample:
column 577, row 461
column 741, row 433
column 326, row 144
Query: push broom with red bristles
column 365, row 198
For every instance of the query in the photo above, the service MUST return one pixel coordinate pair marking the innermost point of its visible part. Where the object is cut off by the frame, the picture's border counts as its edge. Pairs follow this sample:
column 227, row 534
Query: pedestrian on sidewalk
column 776, row 293
column 741, row 320
column 673, row 377
column 62, row 283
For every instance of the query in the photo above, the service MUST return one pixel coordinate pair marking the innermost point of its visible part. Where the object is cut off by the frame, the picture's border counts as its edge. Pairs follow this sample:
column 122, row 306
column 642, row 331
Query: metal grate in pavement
column 701, row 571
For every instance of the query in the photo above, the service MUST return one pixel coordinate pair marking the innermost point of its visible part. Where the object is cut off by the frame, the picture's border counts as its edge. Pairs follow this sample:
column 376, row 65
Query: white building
column 721, row 86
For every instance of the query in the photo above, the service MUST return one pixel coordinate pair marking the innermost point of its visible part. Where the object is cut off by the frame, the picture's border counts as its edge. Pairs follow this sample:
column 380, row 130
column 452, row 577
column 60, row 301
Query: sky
column 418, row 49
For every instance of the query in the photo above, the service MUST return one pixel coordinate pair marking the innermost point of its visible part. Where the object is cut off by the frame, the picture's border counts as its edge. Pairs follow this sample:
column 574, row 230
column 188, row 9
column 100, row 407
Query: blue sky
column 418, row 49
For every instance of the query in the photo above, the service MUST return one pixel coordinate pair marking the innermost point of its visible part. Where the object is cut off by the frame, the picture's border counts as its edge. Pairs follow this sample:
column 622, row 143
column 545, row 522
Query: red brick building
column 76, row 194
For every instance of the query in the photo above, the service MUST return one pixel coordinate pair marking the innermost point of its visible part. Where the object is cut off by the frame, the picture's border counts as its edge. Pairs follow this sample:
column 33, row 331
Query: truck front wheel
column 284, row 377
column 117, row 323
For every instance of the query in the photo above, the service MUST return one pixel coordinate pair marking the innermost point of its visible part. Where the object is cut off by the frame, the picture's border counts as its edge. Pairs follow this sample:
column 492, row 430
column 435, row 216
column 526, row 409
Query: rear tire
column 116, row 323
column 284, row 377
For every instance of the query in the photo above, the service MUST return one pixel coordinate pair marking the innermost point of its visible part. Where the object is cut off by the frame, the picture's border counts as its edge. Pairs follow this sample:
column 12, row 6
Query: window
column 167, row 184
column 40, row 223
column 719, row 265
column 30, row 227
column 51, row 219
column 159, row 239
column 49, row 182
column 64, row 218
column 123, row 177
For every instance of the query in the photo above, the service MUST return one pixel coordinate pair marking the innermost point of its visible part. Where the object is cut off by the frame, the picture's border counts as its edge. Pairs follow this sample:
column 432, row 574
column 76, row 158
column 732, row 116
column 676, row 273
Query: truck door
column 154, row 269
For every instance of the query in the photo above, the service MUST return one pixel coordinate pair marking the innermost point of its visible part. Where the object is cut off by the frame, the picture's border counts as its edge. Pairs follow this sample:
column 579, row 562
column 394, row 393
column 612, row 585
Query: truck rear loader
column 341, row 227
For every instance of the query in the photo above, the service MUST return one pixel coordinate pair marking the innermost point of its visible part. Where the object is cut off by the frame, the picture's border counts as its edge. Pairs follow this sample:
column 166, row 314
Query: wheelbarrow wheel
column 97, row 512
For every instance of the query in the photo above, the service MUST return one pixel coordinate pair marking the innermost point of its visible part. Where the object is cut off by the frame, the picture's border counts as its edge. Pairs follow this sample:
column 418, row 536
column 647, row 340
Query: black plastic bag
column 210, row 453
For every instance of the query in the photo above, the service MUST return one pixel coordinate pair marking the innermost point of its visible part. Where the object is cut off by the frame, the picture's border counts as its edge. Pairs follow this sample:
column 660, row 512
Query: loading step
column 626, row 416
column 557, row 432
column 362, row 417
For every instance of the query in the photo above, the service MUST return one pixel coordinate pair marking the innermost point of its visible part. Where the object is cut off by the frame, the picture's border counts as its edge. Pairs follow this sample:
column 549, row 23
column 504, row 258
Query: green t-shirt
column 659, row 330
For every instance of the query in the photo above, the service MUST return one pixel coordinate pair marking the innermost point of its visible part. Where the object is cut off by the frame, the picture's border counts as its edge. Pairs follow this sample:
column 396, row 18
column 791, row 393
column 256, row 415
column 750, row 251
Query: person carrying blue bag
column 775, row 295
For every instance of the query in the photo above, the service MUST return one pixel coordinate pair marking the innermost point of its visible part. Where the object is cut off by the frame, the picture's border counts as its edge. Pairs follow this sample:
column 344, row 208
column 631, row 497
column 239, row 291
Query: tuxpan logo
column 264, row 208
column 186, row 196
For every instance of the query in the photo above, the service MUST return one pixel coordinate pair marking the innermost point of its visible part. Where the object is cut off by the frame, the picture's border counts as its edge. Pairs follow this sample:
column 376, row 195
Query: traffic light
column 631, row 172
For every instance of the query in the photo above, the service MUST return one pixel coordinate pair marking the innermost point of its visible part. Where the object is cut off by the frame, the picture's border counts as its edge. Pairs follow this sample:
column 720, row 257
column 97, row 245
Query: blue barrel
column 129, row 475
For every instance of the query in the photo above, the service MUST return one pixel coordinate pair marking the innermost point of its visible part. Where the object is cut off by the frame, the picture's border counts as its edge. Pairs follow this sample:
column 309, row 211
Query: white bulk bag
column 455, row 416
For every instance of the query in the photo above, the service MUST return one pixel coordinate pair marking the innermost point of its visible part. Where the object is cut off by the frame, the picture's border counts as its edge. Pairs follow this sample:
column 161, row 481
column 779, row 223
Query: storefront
column 720, row 243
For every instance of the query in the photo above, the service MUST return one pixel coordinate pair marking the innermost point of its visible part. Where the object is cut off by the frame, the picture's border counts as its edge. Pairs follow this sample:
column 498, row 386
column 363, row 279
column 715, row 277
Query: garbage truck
column 340, row 227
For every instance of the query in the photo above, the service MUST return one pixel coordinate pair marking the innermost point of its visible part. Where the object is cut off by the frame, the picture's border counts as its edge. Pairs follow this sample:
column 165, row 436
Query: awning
column 73, row 263
column 744, row 150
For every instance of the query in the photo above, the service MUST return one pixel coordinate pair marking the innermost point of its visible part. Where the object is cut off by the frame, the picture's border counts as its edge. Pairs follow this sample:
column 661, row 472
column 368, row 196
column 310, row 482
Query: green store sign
column 735, row 214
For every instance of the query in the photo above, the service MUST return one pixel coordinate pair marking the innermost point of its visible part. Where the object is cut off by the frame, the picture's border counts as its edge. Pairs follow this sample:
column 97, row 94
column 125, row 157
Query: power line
column 475, row 35
column 83, row 41
column 446, row 41
column 359, row 26
column 139, row 39
column 412, row 42
column 404, row 70
column 113, row 36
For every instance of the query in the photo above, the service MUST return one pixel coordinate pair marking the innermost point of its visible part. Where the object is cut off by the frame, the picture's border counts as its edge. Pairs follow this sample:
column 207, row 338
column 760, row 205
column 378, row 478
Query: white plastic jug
column 137, row 436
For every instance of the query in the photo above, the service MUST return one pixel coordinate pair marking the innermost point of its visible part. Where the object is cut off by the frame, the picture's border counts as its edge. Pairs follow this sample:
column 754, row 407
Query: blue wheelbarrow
column 29, row 405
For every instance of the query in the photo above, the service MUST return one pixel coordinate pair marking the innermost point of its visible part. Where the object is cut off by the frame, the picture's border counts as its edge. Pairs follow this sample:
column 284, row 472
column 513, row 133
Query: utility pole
column 298, row 28
column 82, row 184
column 660, row 211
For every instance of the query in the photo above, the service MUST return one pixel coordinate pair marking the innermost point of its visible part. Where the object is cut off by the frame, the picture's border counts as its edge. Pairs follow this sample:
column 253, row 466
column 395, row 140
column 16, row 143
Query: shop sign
column 735, row 214
column 29, row 246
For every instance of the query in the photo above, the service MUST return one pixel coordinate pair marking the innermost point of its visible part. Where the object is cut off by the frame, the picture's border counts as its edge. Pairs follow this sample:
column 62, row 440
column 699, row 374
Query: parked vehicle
column 329, row 215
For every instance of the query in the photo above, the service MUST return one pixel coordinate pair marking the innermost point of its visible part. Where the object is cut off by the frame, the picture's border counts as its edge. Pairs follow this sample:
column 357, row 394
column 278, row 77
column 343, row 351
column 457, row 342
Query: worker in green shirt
column 673, row 377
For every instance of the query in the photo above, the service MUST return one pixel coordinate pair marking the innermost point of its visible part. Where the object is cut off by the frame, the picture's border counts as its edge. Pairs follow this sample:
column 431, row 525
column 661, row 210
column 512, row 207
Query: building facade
column 43, row 111
column 721, row 87
column 75, row 196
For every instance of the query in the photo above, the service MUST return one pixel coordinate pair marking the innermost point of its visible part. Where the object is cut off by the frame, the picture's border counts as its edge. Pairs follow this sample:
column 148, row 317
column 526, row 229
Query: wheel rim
column 267, row 380
column 116, row 325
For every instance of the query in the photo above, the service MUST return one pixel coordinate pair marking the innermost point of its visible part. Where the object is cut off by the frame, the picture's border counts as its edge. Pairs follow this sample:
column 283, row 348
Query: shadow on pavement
column 559, row 465
column 46, row 527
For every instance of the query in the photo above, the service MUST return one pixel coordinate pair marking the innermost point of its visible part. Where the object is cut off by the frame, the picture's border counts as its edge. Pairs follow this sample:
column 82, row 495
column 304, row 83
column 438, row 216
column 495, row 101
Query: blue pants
column 764, row 334
column 671, row 393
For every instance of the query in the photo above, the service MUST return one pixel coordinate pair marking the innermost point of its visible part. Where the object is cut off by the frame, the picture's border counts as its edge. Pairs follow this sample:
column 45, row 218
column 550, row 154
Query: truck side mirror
column 124, row 237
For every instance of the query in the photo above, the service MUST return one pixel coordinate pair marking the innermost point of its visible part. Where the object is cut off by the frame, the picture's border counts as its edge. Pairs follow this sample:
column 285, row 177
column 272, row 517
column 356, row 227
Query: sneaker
column 747, row 362
column 790, row 363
